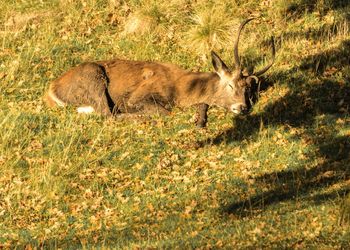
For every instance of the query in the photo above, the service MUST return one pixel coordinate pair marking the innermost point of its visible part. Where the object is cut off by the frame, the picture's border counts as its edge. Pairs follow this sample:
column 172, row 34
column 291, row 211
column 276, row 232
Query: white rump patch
column 85, row 110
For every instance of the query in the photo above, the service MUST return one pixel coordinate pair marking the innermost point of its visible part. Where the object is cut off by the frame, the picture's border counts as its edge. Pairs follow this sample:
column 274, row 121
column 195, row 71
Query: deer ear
column 219, row 66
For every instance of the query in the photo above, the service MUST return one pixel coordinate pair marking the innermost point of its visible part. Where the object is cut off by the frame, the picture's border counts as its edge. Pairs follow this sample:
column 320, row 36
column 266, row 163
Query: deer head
column 238, row 82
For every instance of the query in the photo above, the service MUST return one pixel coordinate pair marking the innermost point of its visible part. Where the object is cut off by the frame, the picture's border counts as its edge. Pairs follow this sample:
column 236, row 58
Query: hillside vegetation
column 275, row 178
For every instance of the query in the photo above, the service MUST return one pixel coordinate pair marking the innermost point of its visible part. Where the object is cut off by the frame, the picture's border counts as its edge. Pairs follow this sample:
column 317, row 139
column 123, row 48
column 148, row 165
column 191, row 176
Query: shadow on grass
column 301, row 183
column 308, row 99
column 295, row 9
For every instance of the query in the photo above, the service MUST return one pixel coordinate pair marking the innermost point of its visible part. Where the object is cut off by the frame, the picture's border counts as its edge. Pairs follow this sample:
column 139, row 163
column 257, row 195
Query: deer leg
column 88, row 90
column 155, row 109
column 147, row 102
column 102, row 102
column 201, row 116
column 94, row 101
column 146, row 111
column 102, row 107
column 138, row 98
column 99, row 94
column 148, row 108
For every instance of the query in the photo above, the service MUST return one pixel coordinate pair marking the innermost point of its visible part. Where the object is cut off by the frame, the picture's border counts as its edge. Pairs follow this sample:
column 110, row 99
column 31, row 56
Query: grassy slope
column 274, row 178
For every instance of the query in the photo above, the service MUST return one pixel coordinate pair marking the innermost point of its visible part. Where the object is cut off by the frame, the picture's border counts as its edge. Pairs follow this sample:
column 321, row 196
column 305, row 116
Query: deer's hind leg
column 85, row 87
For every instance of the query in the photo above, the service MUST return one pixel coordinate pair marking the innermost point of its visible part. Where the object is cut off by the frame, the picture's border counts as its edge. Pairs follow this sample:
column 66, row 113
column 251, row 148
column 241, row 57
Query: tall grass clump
column 146, row 16
column 209, row 29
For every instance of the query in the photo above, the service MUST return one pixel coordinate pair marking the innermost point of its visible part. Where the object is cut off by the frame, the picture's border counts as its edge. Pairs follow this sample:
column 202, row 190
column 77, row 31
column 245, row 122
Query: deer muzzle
column 239, row 108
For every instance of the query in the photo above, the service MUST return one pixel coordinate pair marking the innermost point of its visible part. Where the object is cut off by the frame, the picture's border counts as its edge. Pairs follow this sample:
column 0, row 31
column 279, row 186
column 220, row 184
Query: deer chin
column 235, row 111
column 238, row 109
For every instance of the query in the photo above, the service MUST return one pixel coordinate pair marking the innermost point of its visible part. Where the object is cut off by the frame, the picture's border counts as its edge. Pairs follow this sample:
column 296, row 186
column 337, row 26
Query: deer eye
column 230, row 86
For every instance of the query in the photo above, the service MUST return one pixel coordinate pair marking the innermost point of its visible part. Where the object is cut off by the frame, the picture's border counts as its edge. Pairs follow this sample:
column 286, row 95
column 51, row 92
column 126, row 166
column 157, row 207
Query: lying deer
column 121, row 86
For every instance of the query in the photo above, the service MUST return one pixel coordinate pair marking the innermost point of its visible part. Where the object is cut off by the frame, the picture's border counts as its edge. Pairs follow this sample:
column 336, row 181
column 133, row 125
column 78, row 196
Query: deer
column 117, row 87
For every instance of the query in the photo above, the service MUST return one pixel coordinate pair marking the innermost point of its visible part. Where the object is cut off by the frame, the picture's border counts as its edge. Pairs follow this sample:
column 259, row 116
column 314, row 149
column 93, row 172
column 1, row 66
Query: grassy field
column 273, row 179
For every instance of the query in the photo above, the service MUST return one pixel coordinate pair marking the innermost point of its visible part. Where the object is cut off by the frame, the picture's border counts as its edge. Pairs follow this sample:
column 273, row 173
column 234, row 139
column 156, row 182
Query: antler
column 236, row 56
column 271, row 63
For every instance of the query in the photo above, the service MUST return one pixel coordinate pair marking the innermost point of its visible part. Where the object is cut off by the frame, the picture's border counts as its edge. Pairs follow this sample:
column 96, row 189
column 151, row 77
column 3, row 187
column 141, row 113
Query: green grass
column 273, row 179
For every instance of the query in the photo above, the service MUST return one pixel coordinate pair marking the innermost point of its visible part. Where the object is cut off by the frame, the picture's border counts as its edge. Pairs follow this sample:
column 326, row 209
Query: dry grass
column 211, row 29
column 273, row 179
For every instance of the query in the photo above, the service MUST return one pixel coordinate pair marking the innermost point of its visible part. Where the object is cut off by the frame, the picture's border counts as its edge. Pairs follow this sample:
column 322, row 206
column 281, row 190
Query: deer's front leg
column 201, row 116
column 151, row 103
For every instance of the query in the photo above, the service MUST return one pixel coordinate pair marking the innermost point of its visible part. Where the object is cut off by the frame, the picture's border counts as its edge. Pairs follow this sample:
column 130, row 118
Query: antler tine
column 236, row 55
column 272, row 62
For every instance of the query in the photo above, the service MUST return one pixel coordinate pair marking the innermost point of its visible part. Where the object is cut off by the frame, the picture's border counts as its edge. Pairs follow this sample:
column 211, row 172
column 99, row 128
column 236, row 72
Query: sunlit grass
column 273, row 179
column 210, row 28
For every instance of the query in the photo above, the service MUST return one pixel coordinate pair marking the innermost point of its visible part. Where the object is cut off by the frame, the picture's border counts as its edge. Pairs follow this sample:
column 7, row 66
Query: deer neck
column 198, row 87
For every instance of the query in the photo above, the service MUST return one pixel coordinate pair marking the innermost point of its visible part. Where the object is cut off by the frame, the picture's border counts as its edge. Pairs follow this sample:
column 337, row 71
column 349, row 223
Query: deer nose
column 239, row 108
column 244, row 109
